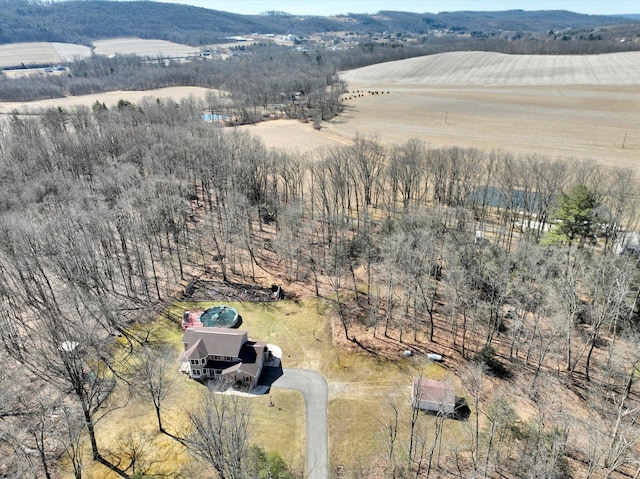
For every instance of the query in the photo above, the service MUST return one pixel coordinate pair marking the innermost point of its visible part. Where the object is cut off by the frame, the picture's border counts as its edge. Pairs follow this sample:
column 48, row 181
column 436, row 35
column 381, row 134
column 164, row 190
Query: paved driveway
column 315, row 391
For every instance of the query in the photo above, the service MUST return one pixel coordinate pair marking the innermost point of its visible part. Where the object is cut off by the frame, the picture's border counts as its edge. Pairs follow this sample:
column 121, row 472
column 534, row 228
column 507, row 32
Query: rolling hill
column 85, row 21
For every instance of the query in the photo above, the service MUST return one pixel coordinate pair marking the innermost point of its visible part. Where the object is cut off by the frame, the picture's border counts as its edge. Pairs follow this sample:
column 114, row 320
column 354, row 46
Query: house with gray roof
column 223, row 353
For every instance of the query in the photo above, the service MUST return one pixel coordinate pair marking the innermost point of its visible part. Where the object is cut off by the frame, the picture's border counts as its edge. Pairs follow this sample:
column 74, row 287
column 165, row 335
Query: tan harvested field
column 499, row 69
column 109, row 99
column 70, row 51
column 582, row 122
column 39, row 53
column 137, row 46
column 294, row 136
column 583, row 107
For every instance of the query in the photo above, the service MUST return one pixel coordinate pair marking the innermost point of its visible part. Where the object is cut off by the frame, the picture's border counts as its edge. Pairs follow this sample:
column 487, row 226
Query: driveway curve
column 314, row 388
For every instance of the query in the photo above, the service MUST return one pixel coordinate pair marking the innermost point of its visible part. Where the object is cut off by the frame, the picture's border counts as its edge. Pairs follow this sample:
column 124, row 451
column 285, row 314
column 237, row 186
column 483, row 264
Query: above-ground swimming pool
column 219, row 317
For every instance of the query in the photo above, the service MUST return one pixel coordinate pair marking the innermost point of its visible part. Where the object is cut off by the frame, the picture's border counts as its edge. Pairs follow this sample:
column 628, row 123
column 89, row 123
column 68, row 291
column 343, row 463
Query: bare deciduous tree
column 218, row 433
column 153, row 374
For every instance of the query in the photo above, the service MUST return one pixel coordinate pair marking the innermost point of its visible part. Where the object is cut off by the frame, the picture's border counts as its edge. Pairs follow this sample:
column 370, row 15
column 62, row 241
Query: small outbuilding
column 628, row 243
column 434, row 396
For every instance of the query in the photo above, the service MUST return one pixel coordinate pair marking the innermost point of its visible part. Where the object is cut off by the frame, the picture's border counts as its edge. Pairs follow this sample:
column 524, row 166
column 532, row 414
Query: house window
column 217, row 358
column 227, row 358
column 193, row 361
column 247, row 378
column 203, row 360
column 196, row 372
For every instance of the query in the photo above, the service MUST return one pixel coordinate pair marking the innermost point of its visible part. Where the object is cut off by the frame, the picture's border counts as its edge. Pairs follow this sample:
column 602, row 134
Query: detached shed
column 432, row 395
column 628, row 243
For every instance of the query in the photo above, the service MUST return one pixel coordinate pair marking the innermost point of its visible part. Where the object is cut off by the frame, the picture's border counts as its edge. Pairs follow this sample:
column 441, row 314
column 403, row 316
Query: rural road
column 315, row 391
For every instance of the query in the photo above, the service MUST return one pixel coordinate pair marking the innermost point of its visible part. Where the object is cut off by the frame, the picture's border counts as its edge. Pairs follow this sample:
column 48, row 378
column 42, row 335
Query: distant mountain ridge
column 85, row 21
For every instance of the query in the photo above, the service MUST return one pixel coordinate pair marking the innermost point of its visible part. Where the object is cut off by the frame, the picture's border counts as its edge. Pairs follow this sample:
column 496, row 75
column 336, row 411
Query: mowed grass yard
column 361, row 390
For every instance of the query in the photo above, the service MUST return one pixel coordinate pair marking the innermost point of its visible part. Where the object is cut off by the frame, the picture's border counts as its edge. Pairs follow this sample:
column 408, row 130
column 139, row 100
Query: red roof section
column 435, row 391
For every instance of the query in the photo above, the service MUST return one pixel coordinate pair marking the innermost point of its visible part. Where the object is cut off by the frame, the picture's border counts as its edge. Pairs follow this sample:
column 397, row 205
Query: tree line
column 260, row 81
column 266, row 74
column 105, row 213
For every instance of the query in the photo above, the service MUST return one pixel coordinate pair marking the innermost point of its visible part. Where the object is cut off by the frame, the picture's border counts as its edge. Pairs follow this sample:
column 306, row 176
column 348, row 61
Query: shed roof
column 440, row 392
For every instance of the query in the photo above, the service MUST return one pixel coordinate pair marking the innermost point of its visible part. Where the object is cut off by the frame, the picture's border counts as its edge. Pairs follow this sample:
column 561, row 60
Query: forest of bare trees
column 254, row 80
column 105, row 215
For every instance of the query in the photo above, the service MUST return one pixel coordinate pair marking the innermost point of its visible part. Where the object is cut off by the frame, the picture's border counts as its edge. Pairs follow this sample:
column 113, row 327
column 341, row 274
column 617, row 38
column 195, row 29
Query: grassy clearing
column 281, row 427
column 361, row 388
column 360, row 411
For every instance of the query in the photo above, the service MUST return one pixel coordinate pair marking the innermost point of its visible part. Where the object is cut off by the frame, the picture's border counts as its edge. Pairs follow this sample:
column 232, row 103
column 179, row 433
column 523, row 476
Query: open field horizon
column 570, row 107
column 585, row 108
column 479, row 68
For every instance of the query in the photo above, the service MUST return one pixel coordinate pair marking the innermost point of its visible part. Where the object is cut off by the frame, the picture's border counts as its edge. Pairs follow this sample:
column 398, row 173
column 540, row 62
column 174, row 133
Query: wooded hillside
column 108, row 213
column 520, row 271
column 85, row 21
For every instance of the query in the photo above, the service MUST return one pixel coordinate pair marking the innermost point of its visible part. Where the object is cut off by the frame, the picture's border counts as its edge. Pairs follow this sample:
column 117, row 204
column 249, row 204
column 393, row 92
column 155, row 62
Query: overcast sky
column 333, row 7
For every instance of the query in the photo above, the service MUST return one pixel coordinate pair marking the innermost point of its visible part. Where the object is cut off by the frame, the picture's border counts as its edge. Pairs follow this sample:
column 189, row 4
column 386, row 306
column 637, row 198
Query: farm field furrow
column 487, row 68
column 28, row 54
column 40, row 53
